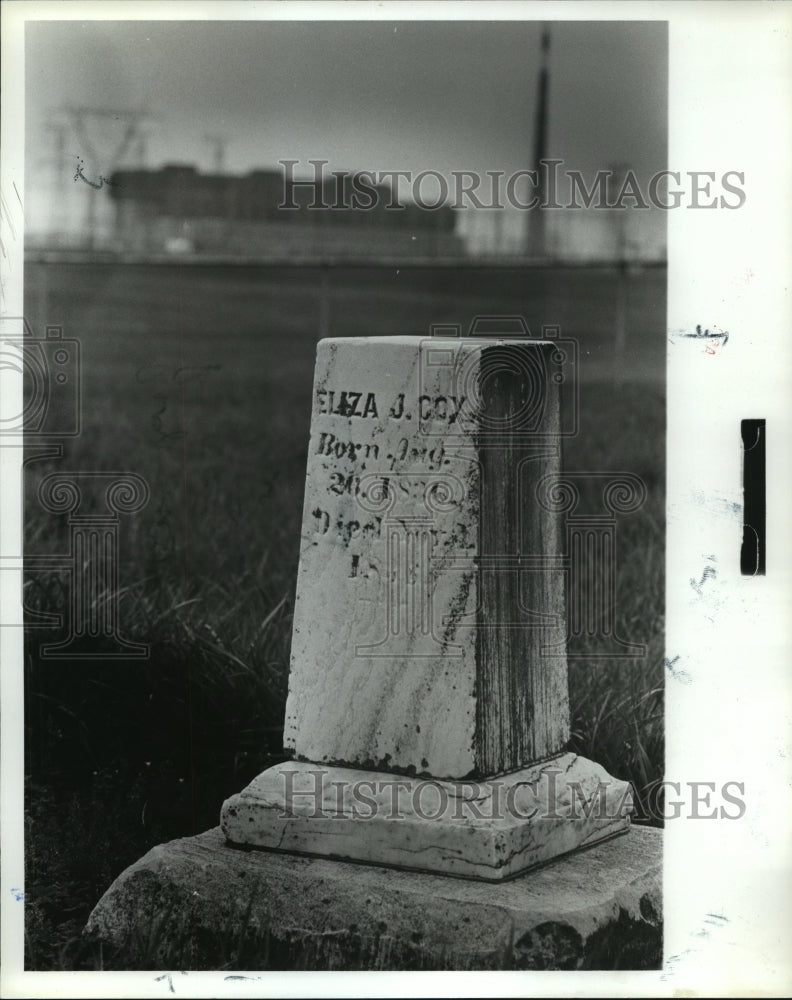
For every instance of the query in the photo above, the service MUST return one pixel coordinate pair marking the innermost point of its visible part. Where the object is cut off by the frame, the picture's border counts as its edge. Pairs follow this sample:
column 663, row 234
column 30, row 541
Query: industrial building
column 179, row 210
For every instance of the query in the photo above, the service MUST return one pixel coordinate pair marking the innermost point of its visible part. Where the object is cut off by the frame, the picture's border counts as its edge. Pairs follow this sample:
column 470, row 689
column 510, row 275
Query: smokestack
column 536, row 223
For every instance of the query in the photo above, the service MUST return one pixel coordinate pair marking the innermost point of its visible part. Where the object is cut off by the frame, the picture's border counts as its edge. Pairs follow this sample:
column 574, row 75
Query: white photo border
column 730, row 108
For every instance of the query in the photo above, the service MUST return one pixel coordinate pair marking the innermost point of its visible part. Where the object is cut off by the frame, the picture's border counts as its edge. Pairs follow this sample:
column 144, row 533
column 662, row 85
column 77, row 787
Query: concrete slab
column 199, row 903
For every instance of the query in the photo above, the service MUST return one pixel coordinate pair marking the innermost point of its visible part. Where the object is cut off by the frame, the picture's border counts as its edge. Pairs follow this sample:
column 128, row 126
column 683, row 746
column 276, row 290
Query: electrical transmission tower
column 218, row 144
column 58, row 219
column 86, row 122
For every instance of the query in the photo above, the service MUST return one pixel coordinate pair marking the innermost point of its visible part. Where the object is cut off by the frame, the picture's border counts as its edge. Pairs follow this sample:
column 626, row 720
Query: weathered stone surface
column 490, row 830
column 429, row 619
column 199, row 904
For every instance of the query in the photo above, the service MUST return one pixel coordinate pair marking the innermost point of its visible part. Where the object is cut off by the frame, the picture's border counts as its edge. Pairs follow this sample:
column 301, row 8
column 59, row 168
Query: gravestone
column 428, row 708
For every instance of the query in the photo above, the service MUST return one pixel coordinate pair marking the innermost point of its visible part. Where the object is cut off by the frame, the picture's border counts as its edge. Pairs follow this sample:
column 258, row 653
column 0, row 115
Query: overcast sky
column 418, row 95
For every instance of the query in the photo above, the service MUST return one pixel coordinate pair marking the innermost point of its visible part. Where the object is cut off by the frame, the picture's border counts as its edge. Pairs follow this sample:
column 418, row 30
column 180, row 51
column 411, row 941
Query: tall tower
column 537, row 241
column 90, row 124
column 58, row 217
column 218, row 144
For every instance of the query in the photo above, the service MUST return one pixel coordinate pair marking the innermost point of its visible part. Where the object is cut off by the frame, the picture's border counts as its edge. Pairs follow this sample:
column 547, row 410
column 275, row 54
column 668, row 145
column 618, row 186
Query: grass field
column 199, row 380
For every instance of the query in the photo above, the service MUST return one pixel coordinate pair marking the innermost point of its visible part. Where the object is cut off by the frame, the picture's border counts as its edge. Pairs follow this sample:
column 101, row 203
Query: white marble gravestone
column 428, row 704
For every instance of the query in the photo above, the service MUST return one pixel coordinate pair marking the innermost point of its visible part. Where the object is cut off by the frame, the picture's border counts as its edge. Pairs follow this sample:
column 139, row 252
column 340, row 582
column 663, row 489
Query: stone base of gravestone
column 489, row 829
column 200, row 903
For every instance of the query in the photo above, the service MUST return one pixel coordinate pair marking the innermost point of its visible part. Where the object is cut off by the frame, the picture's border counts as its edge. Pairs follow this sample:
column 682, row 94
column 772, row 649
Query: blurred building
column 582, row 236
column 179, row 210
